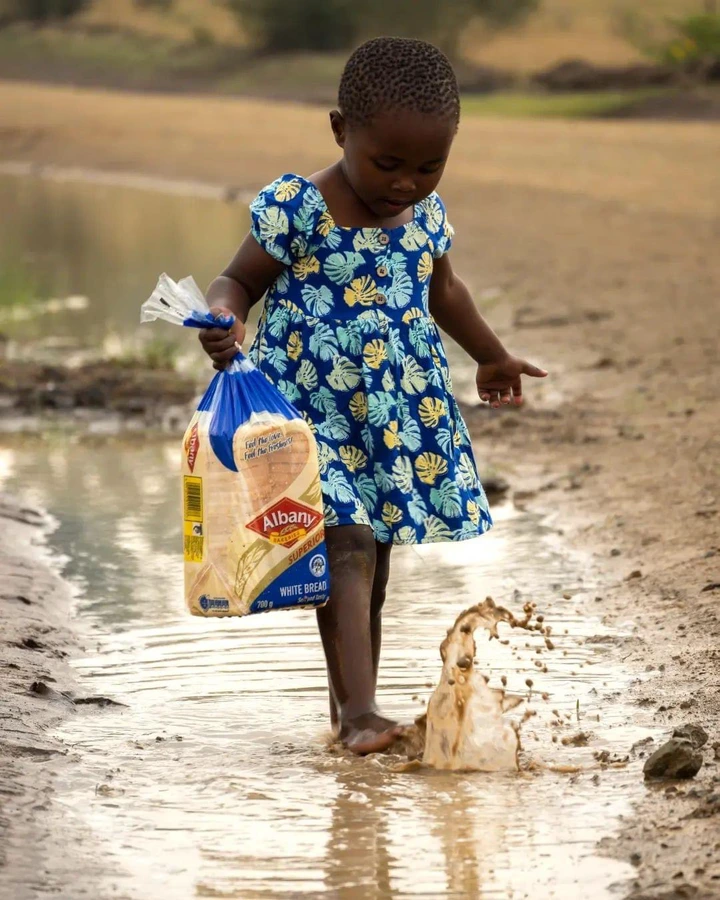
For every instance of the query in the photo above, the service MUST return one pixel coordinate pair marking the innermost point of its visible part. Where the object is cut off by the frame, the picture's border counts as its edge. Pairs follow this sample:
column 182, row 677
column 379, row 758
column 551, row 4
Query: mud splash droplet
column 466, row 727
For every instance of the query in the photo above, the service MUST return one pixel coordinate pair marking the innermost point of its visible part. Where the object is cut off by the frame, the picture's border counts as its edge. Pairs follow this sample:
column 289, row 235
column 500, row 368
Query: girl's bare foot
column 369, row 733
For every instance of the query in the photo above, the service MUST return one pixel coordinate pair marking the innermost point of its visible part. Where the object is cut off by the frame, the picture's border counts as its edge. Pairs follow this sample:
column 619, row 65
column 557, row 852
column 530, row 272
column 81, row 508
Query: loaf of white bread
column 246, row 530
column 253, row 526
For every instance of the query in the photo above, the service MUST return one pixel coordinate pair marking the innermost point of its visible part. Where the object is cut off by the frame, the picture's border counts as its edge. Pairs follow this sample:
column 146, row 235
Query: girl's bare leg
column 377, row 600
column 345, row 629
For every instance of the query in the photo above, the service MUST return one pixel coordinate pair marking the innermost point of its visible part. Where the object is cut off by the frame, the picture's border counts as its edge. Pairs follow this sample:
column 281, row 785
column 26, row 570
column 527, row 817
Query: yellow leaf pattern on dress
column 361, row 290
column 293, row 307
column 353, row 458
column 473, row 512
column 359, row 406
column 375, row 353
column 425, row 266
column 431, row 410
column 305, row 266
column 325, row 224
column 391, row 514
column 411, row 314
column 391, row 437
column 288, row 190
column 310, row 423
column 295, row 345
column 429, row 466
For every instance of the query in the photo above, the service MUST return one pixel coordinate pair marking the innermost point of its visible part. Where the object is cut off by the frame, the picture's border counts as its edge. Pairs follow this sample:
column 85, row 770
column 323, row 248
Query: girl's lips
column 396, row 204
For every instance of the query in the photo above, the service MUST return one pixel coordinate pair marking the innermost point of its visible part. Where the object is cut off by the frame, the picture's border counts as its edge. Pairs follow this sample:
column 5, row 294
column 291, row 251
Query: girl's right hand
column 219, row 343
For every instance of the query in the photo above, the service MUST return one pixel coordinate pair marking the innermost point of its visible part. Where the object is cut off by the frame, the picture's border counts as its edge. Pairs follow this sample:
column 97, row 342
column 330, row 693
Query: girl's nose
column 404, row 186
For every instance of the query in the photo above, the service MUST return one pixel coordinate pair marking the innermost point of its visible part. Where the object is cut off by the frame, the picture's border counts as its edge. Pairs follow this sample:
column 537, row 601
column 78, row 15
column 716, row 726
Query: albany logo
column 192, row 444
column 286, row 522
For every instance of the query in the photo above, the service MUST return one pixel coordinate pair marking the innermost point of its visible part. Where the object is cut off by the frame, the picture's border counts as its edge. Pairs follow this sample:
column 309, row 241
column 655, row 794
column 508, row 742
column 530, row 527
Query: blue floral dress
column 347, row 336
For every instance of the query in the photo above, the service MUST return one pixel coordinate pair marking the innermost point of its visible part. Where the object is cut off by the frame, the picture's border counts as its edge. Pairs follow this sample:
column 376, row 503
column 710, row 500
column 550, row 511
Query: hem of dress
column 439, row 540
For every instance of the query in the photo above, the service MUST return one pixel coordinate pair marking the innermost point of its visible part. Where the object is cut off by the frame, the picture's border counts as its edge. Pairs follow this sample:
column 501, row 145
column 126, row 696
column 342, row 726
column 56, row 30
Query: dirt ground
column 594, row 248
column 35, row 682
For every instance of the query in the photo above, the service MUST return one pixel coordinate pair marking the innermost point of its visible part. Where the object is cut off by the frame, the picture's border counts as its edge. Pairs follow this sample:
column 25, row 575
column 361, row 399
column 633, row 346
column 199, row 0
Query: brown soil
column 599, row 241
column 132, row 389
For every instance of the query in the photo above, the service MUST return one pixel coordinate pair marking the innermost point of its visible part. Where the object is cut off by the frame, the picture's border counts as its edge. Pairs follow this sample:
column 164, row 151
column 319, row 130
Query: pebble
column 695, row 734
column 677, row 758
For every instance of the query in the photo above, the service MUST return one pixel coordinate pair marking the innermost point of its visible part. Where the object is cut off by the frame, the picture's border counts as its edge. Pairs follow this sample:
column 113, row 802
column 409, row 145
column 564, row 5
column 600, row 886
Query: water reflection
column 60, row 238
column 214, row 781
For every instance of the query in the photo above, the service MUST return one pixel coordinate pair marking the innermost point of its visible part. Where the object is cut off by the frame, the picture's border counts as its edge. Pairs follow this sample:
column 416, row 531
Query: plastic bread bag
column 253, row 526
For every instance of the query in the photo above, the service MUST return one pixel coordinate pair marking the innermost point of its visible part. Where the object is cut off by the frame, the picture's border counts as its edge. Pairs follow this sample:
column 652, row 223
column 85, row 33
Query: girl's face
column 396, row 160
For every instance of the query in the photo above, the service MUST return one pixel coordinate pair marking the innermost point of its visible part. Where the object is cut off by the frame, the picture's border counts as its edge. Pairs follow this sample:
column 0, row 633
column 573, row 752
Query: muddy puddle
column 213, row 780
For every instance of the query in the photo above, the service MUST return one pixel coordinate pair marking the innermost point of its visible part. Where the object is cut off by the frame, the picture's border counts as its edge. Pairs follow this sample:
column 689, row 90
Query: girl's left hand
column 499, row 382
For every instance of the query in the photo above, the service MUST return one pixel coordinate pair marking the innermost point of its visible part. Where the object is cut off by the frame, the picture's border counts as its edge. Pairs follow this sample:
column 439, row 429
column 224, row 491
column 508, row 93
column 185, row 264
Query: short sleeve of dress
column 436, row 222
column 285, row 218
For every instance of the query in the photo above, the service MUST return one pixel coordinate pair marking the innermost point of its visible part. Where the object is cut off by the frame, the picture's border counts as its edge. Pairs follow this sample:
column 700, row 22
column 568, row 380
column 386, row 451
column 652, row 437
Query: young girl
column 354, row 264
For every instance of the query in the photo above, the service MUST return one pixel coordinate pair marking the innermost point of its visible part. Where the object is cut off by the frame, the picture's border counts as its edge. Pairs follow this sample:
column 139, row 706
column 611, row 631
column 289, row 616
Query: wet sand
column 35, row 643
column 594, row 248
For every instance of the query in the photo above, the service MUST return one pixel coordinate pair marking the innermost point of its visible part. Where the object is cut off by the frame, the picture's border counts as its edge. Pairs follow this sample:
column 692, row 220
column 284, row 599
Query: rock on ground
column 677, row 758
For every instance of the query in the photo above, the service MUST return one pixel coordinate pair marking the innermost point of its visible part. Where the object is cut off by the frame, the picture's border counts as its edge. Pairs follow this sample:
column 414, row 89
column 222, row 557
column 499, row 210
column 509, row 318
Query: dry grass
column 662, row 166
column 560, row 29
column 178, row 24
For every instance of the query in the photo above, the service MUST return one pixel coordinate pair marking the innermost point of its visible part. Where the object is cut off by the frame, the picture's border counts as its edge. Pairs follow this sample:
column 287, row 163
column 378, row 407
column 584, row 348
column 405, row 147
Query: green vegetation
column 442, row 23
column 113, row 57
column 162, row 5
column 17, row 287
column 90, row 50
column 279, row 26
column 130, row 60
column 576, row 105
column 690, row 43
column 157, row 354
column 695, row 44
column 309, row 77
column 39, row 11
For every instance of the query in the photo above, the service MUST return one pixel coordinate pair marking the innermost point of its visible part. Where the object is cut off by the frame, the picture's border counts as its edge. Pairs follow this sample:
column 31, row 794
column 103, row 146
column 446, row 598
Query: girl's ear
column 339, row 129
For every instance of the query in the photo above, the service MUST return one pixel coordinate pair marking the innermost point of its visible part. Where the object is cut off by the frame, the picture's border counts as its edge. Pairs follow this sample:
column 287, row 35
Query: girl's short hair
column 389, row 73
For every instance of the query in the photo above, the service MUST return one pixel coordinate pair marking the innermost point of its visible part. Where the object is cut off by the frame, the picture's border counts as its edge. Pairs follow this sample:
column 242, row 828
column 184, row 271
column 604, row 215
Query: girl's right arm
column 235, row 292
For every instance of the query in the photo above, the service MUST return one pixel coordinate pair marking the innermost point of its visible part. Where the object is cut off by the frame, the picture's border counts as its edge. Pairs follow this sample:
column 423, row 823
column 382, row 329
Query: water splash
column 465, row 726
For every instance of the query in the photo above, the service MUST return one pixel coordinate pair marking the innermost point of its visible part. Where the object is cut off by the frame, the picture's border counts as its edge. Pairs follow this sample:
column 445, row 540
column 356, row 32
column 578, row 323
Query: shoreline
column 131, row 180
column 36, row 682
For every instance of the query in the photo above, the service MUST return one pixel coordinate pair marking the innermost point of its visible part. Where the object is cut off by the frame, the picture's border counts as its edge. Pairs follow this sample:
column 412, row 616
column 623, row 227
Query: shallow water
column 108, row 244
column 214, row 781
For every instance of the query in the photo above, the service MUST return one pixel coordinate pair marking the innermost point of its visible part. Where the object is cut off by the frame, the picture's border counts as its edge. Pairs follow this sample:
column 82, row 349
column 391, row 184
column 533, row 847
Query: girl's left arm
column 454, row 310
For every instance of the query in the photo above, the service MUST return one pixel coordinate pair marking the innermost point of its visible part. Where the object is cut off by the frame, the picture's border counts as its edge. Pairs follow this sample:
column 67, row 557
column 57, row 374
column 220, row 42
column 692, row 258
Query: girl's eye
column 385, row 166
column 430, row 170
